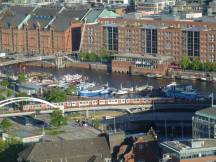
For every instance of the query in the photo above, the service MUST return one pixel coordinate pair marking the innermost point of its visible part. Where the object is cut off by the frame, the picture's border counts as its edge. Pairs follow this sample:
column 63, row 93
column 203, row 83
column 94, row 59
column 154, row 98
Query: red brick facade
column 170, row 38
column 130, row 67
column 37, row 41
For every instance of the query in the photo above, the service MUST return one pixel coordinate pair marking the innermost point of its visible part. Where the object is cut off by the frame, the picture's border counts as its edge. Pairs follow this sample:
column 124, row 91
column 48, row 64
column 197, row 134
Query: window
column 140, row 160
column 140, row 147
column 107, row 160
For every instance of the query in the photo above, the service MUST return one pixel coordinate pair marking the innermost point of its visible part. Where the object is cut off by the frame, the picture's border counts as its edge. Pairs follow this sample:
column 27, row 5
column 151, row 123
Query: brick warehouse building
column 41, row 30
column 135, row 40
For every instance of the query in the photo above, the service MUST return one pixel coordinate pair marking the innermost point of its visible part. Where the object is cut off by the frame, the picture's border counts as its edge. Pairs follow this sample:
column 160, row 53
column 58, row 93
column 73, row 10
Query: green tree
column 5, row 124
column 4, row 83
column 9, row 93
column 84, row 56
column 93, row 57
column 56, row 95
column 196, row 64
column 185, row 62
column 208, row 66
column 104, row 56
column 2, row 97
column 21, row 94
column 57, row 119
column 71, row 90
column 9, row 150
column 21, row 78
column 214, row 67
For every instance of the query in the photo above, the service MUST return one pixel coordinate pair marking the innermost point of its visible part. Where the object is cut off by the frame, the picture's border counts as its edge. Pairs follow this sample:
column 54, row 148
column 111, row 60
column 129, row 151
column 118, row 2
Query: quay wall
column 89, row 66
column 191, row 75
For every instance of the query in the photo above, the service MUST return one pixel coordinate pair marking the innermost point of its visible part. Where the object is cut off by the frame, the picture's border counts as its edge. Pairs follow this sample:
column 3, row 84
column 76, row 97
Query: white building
column 23, row 135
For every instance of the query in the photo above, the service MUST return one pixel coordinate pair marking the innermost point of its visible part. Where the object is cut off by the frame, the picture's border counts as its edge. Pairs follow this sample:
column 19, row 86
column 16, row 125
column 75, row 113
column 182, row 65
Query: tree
column 103, row 53
column 5, row 124
column 2, row 97
column 21, row 78
column 196, row 64
column 185, row 62
column 9, row 93
column 71, row 90
column 208, row 66
column 57, row 119
column 56, row 95
column 4, row 83
column 93, row 57
column 9, row 149
column 83, row 56
column 21, row 94
column 214, row 67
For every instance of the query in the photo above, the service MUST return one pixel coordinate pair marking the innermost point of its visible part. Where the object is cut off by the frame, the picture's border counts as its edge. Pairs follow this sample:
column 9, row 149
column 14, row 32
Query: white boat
column 72, row 78
column 83, row 86
column 154, row 75
column 203, row 79
column 141, row 88
column 120, row 92
column 106, row 91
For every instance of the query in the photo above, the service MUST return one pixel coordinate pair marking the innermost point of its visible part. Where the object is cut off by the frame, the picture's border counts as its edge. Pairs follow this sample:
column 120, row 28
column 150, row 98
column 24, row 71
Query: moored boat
column 183, row 91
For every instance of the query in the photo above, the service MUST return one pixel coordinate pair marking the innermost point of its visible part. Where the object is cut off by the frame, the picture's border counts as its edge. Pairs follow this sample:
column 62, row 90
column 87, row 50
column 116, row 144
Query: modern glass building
column 204, row 123
column 199, row 150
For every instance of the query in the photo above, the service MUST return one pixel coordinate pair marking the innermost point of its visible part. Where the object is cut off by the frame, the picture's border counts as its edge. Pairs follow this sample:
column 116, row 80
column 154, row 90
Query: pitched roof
column 93, row 14
column 16, row 15
column 96, row 13
column 74, row 151
column 208, row 112
column 42, row 16
column 68, row 15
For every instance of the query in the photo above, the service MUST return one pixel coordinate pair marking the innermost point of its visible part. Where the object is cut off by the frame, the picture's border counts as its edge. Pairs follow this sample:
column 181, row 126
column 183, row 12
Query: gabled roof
column 93, row 14
column 42, row 16
column 64, row 19
column 74, row 151
column 16, row 14
column 96, row 13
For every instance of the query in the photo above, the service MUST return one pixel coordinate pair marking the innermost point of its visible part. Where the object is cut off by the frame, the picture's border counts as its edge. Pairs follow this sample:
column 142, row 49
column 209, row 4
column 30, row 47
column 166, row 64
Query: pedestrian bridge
column 26, row 59
column 42, row 106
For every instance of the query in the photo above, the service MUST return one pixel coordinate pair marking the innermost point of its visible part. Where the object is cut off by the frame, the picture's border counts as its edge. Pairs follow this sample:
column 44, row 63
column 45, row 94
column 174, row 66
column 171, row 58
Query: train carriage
column 102, row 102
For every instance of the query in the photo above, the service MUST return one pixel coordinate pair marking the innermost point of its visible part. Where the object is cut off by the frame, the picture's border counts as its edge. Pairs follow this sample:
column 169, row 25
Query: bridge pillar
column 59, row 62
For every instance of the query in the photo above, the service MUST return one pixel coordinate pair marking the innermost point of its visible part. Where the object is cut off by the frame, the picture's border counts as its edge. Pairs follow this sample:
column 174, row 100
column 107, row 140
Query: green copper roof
column 109, row 14
column 96, row 13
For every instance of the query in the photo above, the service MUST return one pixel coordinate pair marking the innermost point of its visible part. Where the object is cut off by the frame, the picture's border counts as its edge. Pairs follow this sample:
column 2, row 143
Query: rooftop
column 208, row 112
column 74, row 150
column 25, row 134
column 150, row 57
column 64, row 19
column 190, row 145
column 16, row 14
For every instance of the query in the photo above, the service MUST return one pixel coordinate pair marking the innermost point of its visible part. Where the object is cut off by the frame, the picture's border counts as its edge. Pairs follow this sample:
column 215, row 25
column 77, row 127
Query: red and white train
column 95, row 103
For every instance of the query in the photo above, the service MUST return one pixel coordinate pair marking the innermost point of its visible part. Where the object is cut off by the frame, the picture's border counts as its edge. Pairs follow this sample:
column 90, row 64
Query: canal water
column 116, row 79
